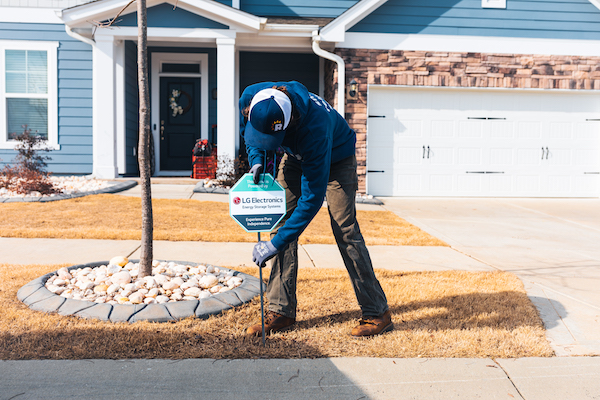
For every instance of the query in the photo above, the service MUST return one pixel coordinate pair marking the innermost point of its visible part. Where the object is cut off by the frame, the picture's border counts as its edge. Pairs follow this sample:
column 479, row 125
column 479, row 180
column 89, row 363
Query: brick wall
column 421, row 68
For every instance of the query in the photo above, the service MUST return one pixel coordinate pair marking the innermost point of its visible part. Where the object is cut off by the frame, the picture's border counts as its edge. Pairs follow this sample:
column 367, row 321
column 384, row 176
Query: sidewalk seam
column 476, row 259
column 509, row 378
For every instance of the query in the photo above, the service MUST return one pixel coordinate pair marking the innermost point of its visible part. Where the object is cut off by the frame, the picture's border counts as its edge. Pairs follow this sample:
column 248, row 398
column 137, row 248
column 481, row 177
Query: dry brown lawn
column 119, row 217
column 436, row 314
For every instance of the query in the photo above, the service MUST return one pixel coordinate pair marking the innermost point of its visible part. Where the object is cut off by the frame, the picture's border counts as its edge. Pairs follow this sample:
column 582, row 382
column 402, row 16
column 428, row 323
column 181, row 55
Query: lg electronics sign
column 257, row 207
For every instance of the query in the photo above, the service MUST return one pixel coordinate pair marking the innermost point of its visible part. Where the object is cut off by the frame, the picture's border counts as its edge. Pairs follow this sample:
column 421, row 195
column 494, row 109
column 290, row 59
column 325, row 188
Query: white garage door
column 461, row 142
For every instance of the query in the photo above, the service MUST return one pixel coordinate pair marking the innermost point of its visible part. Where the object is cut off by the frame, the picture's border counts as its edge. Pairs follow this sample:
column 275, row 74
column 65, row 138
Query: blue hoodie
column 319, row 138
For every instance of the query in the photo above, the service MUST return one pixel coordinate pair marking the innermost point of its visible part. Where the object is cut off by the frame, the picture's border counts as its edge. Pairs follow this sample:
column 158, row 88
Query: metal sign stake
column 258, row 208
column 262, row 307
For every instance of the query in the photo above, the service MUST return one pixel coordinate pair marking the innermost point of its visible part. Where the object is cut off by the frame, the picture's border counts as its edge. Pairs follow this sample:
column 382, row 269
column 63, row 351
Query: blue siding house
column 448, row 97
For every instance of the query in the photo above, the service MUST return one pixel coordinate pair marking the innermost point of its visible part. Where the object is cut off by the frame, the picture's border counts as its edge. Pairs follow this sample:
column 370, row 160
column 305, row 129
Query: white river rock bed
column 118, row 282
column 64, row 185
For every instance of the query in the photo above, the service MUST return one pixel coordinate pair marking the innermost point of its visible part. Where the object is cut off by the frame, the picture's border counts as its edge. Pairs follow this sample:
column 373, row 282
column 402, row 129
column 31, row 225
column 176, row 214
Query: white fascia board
column 30, row 15
column 287, row 28
column 95, row 11
column 336, row 29
column 103, row 10
column 221, row 13
column 274, row 43
column 288, row 31
column 167, row 34
column 469, row 44
column 596, row 3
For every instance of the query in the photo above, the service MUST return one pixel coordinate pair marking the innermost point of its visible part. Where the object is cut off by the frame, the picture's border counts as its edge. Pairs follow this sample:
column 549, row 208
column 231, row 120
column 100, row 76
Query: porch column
column 227, row 107
column 121, row 149
column 104, row 109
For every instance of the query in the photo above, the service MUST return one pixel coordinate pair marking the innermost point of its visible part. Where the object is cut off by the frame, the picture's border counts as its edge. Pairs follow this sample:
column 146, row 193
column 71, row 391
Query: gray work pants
column 341, row 197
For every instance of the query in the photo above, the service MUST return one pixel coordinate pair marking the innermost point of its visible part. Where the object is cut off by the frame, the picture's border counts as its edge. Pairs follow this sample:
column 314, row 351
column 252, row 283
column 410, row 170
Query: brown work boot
column 273, row 323
column 371, row 326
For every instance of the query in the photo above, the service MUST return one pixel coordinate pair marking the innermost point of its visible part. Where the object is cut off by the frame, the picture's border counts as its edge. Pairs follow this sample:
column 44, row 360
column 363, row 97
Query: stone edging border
column 199, row 188
column 37, row 297
column 118, row 187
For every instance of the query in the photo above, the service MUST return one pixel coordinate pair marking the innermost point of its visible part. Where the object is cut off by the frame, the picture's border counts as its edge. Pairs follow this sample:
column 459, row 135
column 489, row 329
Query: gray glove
column 256, row 170
column 263, row 252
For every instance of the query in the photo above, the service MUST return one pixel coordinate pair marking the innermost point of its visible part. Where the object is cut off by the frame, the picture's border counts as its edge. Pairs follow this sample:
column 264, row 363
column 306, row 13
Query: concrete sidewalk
column 549, row 245
column 325, row 378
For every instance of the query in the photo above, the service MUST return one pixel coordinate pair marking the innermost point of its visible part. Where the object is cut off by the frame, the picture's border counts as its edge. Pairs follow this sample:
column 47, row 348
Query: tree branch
column 109, row 23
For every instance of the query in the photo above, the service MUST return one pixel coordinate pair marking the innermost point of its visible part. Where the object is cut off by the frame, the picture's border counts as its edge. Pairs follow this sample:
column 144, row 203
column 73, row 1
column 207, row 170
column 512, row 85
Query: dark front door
column 180, row 122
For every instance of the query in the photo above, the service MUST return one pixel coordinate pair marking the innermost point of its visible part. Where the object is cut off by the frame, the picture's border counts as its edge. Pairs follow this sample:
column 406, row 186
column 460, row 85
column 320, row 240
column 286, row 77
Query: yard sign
column 257, row 207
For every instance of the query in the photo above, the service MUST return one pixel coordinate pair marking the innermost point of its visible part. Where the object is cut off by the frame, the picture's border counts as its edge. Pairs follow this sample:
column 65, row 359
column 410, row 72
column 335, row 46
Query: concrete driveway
column 553, row 245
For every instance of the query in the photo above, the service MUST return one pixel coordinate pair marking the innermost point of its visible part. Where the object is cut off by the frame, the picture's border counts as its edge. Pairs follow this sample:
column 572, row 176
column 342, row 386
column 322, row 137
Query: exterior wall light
column 353, row 88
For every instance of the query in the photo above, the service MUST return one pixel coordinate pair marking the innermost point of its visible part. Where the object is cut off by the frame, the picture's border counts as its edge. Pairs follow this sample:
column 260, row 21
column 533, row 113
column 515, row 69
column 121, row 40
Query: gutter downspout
column 341, row 98
column 83, row 39
column 79, row 37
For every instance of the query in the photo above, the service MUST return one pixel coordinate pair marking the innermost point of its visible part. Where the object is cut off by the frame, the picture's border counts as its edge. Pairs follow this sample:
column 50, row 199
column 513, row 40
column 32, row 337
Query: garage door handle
column 428, row 151
column 423, row 151
column 485, row 172
column 547, row 152
column 372, row 171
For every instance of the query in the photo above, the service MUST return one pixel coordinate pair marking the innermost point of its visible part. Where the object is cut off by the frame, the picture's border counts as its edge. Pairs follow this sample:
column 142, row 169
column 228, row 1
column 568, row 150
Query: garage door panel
column 586, row 158
column 528, row 184
column 381, row 185
column 502, row 129
column 500, row 184
column 560, row 130
column 379, row 131
column 529, row 157
column 441, row 183
column 559, row 157
column 501, row 157
column 469, row 183
column 529, row 129
column 587, row 130
column 410, row 183
column 441, row 155
column 409, row 128
column 442, row 129
column 470, row 129
column 559, row 184
column 586, row 183
column 469, row 157
column 409, row 155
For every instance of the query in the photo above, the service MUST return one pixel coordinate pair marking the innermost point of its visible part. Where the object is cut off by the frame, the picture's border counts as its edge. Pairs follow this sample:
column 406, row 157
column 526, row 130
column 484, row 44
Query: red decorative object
column 204, row 167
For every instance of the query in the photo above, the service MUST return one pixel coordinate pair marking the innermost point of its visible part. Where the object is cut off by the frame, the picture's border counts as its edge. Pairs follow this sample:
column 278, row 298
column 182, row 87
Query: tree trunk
column 144, row 141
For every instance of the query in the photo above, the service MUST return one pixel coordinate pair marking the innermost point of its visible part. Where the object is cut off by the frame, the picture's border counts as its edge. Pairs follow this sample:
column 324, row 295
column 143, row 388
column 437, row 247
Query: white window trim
column 493, row 3
column 52, row 49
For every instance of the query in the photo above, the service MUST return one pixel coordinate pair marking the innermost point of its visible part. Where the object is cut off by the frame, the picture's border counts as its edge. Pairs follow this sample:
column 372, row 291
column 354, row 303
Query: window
column 28, row 91
column 493, row 3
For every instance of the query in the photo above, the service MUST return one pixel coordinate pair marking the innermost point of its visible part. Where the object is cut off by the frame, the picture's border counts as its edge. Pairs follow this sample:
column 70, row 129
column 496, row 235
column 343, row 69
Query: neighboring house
column 448, row 97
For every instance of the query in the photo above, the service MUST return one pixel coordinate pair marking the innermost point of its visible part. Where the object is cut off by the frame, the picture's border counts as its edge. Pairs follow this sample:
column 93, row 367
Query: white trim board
column 101, row 10
column 28, row 15
column 336, row 29
column 470, row 44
